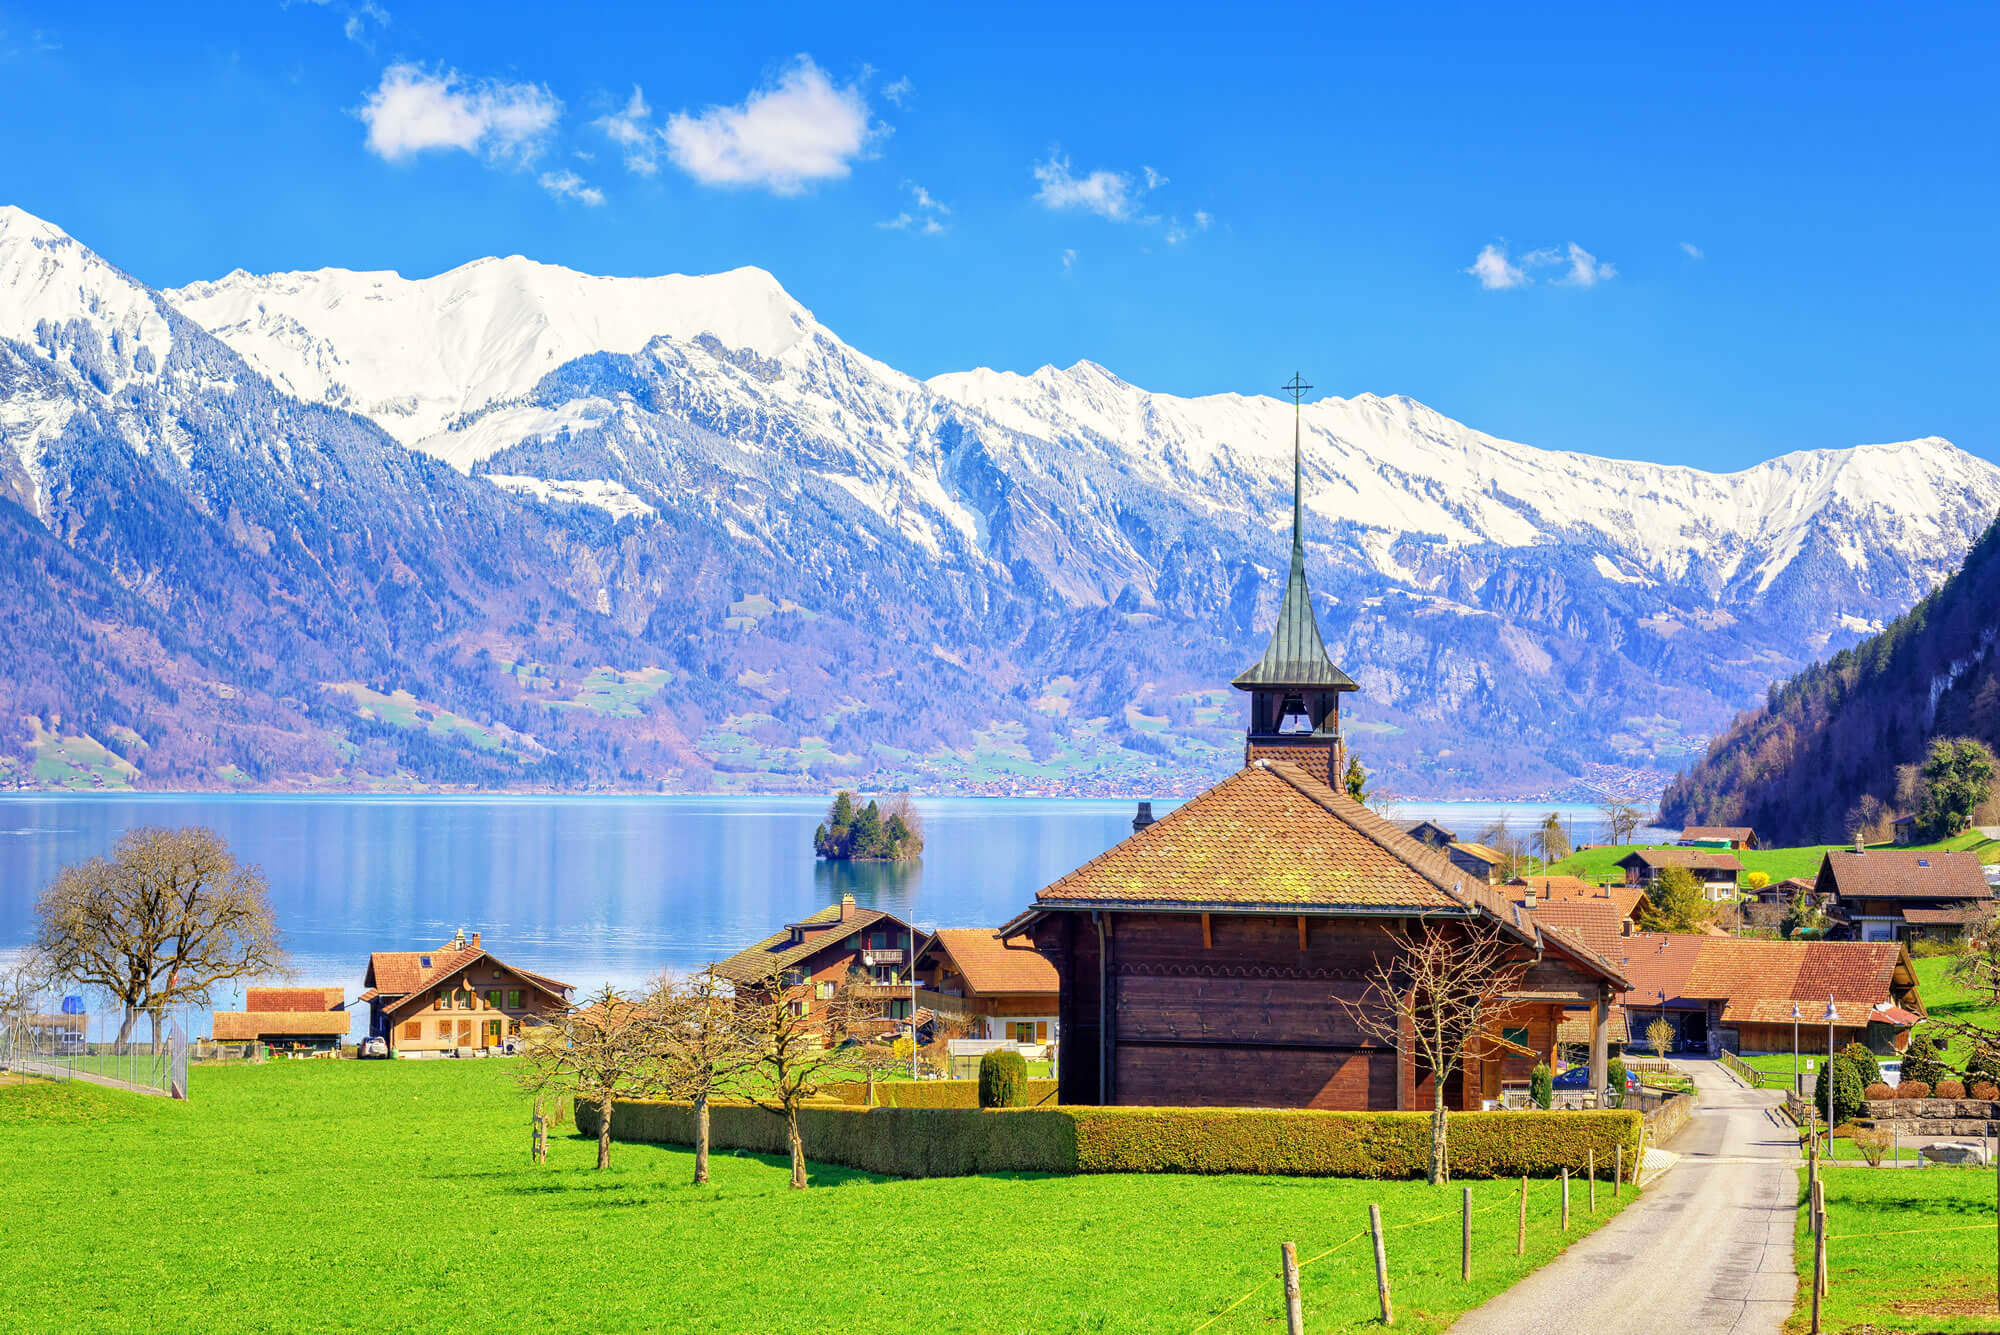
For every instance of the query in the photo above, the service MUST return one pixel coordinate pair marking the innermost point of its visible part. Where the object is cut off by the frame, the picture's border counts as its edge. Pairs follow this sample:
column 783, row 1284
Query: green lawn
column 352, row 1196
column 1946, row 1000
column 1596, row 864
column 1931, row 1265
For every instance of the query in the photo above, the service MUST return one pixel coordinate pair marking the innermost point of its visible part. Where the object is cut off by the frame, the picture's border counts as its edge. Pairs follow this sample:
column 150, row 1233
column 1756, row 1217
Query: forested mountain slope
column 1800, row 768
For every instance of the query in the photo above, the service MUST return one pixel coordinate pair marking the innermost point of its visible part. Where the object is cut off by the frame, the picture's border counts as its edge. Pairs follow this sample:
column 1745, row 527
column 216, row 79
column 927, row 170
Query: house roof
column 1574, row 1027
column 244, row 1026
column 277, row 999
column 992, row 965
column 1694, row 859
column 1273, row 837
column 1596, row 921
column 397, row 976
column 1957, row 915
column 1760, row 981
column 1904, row 873
column 1492, row 857
column 1412, row 826
column 798, row 942
column 1737, row 832
column 1568, row 889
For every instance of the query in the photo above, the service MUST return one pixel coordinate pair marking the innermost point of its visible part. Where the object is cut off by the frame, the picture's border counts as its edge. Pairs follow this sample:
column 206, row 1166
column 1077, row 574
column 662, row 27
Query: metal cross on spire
column 1297, row 389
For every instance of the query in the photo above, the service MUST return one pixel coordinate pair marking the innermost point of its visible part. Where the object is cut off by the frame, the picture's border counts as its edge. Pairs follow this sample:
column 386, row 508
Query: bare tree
column 1500, row 837
column 1551, row 839
column 706, row 1046
column 799, row 1036
column 1621, row 821
column 1976, row 968
column 1444, row 986
column 1660, row 1033
column 605, row 1048
column 165, row 918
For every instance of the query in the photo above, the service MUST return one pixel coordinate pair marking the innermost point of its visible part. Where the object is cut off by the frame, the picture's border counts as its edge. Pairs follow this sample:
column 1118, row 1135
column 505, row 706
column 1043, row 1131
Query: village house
column 1007, row 986
column 456, row 998
column 1430, row 834
column 1481, row 863
column 1537, row 891
column 287, row 1019
column 1717, row 872
column 1902, row 894
column 1720, row 836
column 1738, row 993
column 1204, row 960
column 842, row 943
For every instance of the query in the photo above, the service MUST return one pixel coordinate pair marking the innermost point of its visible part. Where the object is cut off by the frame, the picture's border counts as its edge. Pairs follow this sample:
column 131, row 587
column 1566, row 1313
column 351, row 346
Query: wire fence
column 148, row 1057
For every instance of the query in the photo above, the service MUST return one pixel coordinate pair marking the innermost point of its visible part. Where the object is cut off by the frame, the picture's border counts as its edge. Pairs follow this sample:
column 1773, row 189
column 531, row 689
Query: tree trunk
column 604, row 1132
column 798, row 1148
column 125, row 1026
column 700, row 1139
column 1440, row 1159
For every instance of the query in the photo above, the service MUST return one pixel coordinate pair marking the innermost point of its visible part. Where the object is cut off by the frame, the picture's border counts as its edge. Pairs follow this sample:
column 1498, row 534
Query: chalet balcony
column 872, row 958
column 939, row 1002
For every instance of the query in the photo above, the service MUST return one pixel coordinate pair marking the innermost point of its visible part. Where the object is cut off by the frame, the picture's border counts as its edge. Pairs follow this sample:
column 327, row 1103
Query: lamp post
column 1796, row 1017
column 1831, row 1016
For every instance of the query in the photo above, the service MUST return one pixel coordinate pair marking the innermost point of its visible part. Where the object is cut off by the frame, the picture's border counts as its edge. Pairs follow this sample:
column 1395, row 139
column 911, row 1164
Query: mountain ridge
column 985, row 580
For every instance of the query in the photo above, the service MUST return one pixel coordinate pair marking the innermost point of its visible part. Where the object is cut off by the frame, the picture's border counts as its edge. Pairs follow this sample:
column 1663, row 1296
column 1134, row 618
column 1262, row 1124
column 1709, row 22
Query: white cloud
column 414, row 111
column 928, row 217
column 568, row 185
column 357, row 17
column 1202, row 220
column 1693, row 251
column 1154, row 180
column 631, row 129
column 1494, row 271
column 898, row 93
column 801, row 129
column 1108, row 194
column 1068, row 260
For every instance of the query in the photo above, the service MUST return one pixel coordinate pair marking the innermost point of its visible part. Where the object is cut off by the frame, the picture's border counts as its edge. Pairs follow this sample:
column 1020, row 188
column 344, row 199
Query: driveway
column 1707, row 1248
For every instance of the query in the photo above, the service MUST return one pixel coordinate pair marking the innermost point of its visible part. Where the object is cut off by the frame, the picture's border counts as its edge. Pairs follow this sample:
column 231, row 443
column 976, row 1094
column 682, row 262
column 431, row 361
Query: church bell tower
column 1295, row 688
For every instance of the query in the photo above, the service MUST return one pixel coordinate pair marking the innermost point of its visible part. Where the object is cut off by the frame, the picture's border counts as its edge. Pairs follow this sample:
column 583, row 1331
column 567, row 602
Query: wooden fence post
column 1819, row 1249
column 1381, row 1266
column 1295, row 1317
column 1465, row 1239
column 1618, row 1170
column 1819, row 1259
column 1565, row 1200
column 1521, row 1229
column 1593, row 1179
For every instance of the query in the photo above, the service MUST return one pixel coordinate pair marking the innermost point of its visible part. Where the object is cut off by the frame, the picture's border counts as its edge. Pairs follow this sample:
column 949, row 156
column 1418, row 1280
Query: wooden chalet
column 1538, row 892
column 813, row 957
column 289, row 1019
column 1008, row 985
column 456, row 998
column 1717, row 872
column 1430, row 833
column 1478, row 861
column 1203, row 960
column 1902, row 894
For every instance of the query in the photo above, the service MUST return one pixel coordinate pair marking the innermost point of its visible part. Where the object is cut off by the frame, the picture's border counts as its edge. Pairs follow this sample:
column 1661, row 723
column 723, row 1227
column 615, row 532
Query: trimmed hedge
column 927, row 1093
column 1003, row 1080
column 954, row 1142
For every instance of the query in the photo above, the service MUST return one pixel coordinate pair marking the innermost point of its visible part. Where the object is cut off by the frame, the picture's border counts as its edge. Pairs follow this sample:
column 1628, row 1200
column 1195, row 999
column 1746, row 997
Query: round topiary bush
column 1948, row 1089
column 1847, row 1087
column 1913, row 1089
column 1542, row 1085
column 1865, row 1062
column 1986, row 1090
column 1878, row 1090
column 1003, row 1080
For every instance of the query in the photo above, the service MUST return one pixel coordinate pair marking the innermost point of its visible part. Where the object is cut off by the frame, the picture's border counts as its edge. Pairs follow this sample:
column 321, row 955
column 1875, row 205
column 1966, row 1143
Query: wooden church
column 1203, row 959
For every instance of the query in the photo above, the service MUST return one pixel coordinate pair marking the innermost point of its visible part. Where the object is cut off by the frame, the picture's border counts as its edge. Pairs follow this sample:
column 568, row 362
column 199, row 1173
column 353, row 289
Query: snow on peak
column 54, row 289
column 419, row 354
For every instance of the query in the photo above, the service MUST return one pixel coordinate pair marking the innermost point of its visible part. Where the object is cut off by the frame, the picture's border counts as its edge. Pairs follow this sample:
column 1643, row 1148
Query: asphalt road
column 1708, row 1248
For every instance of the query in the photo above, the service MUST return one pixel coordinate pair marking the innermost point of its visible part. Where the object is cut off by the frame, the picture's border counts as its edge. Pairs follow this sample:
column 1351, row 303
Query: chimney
column 1859, row 847
column 458, row 942
column 846, row 907
column 1144, row 818
column 475, row 940
column 1529, row 901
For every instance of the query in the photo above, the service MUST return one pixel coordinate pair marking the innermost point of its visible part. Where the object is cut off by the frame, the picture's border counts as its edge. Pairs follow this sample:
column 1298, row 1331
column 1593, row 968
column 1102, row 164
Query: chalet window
column 465, row 1033
column 826, row 991
column 442, row 1001
column 1022, row 1031
column 513, row 1028
column 493, row 1001
column 1515, row 1036
column 514, row 1002
column 796, row 1008
column 412, row 1030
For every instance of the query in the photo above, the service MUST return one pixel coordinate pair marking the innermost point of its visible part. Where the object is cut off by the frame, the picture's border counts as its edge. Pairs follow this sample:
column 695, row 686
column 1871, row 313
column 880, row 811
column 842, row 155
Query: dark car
column 1578, row 1077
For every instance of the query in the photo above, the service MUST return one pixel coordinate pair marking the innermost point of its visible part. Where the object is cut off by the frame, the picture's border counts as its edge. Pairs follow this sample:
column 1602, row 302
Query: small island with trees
column 855, row 833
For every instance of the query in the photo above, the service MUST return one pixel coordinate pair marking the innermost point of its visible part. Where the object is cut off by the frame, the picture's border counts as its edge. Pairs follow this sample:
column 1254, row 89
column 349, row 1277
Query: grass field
column 1946, row 1000
column 1596, row 864
column 1928, row 1267
column 350, row 1196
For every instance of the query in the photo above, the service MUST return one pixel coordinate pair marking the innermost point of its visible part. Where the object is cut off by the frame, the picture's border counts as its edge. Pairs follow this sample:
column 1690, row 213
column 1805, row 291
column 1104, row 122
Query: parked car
column 1892, row 1074
column 1578, row 1077
column 71, row 1045
column 375, row 1047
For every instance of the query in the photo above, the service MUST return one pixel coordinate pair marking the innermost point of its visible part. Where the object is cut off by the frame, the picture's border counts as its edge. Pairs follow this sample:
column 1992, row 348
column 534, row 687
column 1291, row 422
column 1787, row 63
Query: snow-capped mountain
column 986, row 578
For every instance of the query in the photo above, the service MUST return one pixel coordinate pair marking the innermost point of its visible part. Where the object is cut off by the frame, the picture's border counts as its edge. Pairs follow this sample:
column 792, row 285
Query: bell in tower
column 1295, row 688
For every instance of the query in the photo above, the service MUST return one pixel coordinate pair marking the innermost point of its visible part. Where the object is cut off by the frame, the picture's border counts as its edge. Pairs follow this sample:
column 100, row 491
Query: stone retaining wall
column 1931, row 1117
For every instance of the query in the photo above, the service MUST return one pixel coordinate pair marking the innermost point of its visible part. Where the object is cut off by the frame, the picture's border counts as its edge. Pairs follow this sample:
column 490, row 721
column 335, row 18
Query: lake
column 593, row 889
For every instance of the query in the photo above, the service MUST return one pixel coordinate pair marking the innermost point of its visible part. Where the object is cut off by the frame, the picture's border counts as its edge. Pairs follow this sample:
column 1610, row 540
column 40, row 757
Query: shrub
column 1614, row 1083
column 1542, row 1086
column 1920, row 1059
column 930, row 1093
column 1003, row 1079
column 1986, row 1089
column 1865, row 1062
column 1878, row 1090
column 1873, row 1145
column 1913, row 1089
column 1984, row 1065
column 1847, row 1087
column 1948, row 1089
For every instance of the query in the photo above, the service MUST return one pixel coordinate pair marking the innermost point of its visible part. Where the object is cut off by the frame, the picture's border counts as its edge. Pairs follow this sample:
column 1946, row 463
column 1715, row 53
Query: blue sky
column 1695, row 234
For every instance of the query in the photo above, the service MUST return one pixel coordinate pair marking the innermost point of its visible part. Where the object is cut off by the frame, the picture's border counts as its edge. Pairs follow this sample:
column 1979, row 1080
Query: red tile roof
column 1694, row 859
column 247, row 1026
column 1904, row 873
column 1567, row 889
column 1760, row 981
column 992, row 966
column 257, row 999
column 1596, row 921
column 782, row 950
column 395, row 977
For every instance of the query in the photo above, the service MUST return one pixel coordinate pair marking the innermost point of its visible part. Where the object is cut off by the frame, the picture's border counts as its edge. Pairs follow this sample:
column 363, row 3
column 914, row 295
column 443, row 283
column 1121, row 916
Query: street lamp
column 1796, row 1017
column 1831, row 1016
